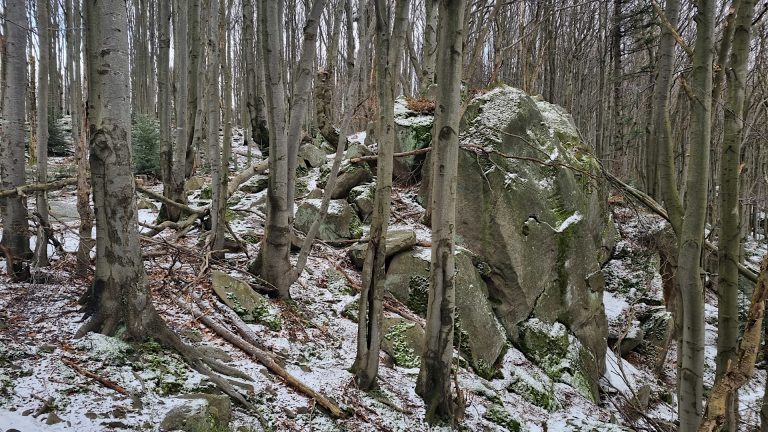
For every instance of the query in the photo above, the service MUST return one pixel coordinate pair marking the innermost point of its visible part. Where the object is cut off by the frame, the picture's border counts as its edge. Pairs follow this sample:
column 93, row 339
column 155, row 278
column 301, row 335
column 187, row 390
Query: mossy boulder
column 361, row 197
column 255, row 185
column 533, row 386
column 499, row 415
column 479, row 336
column 403, row 341
column 560, row 354
column 413, row 131
column 341, row 221
column 540, row 229
column 357, row 149
column 350, row 175
column 199, row 412
column 246, row 302
column 396, row 242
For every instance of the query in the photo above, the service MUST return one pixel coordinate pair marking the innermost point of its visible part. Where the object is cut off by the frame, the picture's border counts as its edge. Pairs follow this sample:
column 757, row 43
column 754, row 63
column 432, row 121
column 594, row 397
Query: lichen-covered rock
column 145, row 204
column 256, row 184
column 246, row 302
column 341, row 222
column 560, row 355
column 540, row 229
column 478, row 334
column 199, row 413
column 194, row 183
column 499, row 415
column 361, row 197
column 403, row 341
column 313, row 156
column 350, row 175
column 535, row 387
column 356, row 149
column 413, row 131
column 396, row 242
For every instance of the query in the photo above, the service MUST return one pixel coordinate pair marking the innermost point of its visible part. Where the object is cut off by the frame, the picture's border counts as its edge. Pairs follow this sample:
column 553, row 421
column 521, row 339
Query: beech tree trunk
column 41, row 198
column 13, row 87
column 692, row 235
column 164, row 102
column 177, row 171
column 429, row 47
column 219, row 195
column 729, row 243
column 434, row 382
column 388, row 44
column 275, row 263
column 119, row 294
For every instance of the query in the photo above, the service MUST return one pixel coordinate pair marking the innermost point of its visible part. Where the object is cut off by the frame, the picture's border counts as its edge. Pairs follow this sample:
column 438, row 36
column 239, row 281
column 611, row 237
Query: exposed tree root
column 262, row 357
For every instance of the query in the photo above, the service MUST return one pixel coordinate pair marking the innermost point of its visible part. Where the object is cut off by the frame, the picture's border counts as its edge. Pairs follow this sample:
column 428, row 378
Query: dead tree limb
column 38, row 187
column 101, row 380
column 201, row 211
column 244, row 175
column 402, row 154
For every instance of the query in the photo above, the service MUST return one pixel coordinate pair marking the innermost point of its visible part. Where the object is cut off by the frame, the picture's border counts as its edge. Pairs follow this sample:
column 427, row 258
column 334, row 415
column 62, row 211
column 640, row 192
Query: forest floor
column 50, row 381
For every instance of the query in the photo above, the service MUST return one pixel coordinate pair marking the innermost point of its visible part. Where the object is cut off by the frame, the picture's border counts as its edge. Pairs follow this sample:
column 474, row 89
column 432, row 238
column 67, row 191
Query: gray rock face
column 199, row 413
column 413, row 131
column 350, row 175
column 341, row 222
column 361, row 197
column 313, row 156
column 480, row 337
column 540, row 229
column 396, row 241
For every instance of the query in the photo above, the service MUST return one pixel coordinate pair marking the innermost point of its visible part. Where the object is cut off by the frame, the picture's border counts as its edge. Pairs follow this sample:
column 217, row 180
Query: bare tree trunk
column 691, row 238
column 32, row 111
column 429, row 48
column 434, row 383
column 119, row 294
column 729, row 243
column 366, row 366
column 218, row 170
column 275, row 264
column 13, row 84
column 177, row 171
column 164, row 101
column 79, row 138
column 41, row 198
column 194, row 72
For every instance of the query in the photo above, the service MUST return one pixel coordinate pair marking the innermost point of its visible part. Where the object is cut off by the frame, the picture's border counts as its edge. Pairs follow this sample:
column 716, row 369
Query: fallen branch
column 741, row 369
column 659, row 210
column 264, row 358
column 397, row 155
column 244, row 175
column 38, row 187
column 201, row 212
column 101, row 380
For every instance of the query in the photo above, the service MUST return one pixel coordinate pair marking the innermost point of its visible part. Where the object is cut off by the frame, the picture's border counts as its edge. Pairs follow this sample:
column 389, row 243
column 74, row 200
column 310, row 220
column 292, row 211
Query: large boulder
column 479, row 336
column 530, row 207
column 313, row 156
column 341, row 221
column 403, row 341
column 362, row 198
column 242, row 299
column 350, row 175
column 397, row 241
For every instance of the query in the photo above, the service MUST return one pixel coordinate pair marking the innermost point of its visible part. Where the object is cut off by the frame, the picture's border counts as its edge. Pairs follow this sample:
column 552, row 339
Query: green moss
column 260, row 313
column 418, row 294
column 405, row 356
column 350, row 311
column 206, row 193
column 356, row 228
column 537, row 390
column 165, row 370
column 500, row 416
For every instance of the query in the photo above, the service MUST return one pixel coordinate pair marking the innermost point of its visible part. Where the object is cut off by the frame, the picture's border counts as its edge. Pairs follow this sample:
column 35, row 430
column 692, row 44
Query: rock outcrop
column 529, row 205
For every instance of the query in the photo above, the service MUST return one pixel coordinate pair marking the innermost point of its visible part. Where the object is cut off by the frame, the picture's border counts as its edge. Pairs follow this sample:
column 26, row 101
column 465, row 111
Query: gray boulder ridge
column 532, row 209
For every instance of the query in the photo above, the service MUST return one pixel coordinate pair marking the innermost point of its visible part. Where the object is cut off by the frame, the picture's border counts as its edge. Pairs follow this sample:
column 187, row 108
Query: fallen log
column 244, row 175
column 38, row 187
column 401, row 154
column 201, row 211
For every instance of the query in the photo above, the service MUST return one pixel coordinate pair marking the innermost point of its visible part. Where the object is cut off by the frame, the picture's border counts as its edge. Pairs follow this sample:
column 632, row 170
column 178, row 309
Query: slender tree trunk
column 300, row 100
column 691, row 238
column 434, row 383
column 41, row 198
column 32, row 111
column 729, row 243
column 164, row 99
column 366, row 366
column 194, row 72
column 429, row 48
column 78, row 137
column 180, row 66
column 275, row 263
column 219, row 195
column 14, row 83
